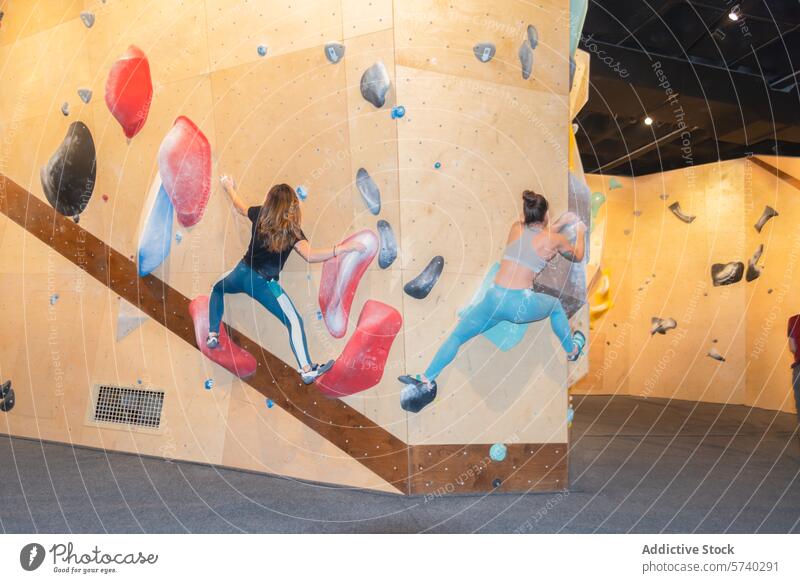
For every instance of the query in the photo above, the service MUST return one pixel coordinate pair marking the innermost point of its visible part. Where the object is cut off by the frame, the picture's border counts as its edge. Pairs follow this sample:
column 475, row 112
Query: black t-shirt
column 258, row 257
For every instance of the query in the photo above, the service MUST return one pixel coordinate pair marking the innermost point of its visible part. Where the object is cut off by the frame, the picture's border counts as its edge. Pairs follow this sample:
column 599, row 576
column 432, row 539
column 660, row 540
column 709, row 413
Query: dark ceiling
column 734, row 83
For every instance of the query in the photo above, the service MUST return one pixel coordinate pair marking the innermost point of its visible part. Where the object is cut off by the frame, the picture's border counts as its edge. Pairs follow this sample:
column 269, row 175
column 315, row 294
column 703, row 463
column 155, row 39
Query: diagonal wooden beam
column 412, row 469
column 785, row 176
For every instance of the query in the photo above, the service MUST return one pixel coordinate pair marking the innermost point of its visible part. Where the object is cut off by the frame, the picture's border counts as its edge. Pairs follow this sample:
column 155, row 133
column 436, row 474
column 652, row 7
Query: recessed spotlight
column 648, row 121
column 734, row 13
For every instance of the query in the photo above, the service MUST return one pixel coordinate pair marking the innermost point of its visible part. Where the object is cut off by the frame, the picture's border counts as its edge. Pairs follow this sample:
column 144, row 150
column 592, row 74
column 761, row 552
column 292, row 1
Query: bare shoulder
column 515, row 230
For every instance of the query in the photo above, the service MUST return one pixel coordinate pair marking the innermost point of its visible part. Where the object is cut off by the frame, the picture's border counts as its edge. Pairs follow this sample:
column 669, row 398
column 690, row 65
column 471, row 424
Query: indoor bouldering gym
column 400, row 267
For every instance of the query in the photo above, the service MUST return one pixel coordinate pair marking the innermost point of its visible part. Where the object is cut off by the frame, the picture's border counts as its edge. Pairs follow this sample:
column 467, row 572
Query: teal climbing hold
column 270, row 404
column 437, row 165
column 398, row 111
column 613, row 184
column 209, row 384
column 597, row 201
column 498, row 452
column 302, row 192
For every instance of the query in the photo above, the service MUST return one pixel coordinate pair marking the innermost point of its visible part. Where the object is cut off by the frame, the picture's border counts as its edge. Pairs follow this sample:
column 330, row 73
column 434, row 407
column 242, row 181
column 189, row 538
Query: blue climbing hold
column 496, row 482
column 437, row 165
column 53, row 299
column 498, row 452
column 209, row 384
column 319, row 315
column 178, row 237
column 570, row 414
column 398, row 111
column 156, row 236
column 302, row 193
column 138, row 381
column 262, row 50
column 270, row 404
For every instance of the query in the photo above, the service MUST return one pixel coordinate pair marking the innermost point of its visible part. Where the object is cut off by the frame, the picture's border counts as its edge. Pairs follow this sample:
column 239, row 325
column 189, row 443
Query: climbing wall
column 257, row 82
column 660, row 266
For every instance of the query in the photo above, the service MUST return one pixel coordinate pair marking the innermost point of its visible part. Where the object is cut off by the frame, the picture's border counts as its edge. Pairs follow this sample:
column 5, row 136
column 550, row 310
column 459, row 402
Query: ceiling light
column 648, row 121
column 734, row 13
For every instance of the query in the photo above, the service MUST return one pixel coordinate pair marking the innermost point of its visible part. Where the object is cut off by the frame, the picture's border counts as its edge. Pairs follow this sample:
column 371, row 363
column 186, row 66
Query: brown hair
column 534, row 207
column 278, row 224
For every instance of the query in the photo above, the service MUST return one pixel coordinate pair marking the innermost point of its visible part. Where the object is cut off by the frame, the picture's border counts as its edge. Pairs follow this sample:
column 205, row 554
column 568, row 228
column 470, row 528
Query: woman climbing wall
column 275, row 232
column 532, row 243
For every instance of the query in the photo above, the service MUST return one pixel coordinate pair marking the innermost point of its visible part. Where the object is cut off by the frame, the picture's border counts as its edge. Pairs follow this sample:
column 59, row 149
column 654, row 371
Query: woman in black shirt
column 275, row 232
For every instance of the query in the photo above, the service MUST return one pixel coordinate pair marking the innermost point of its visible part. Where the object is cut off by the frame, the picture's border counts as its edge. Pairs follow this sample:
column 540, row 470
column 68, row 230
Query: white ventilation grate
column 128, row 406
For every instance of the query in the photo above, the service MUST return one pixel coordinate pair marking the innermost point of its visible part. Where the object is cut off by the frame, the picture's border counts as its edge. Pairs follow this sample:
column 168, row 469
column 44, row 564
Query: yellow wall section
column 661, row 267
column 290, row 116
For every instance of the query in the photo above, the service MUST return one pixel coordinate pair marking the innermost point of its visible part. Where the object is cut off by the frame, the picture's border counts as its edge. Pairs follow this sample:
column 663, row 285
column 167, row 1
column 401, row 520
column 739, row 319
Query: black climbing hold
column 388, row 249
column 416, row 395
column 7, row 397
column 753, row 270
column 88, row 19
column 68, row 178
column 533, row 36
column 496, row 483
column 662, row 325
column 375, row 84
column 484, row 52
column 85, row 95
column 727, row 273
column 421, row 286
column 334, row 52
column 768, row 213
column 675, row 207
column 526, row 59
column 369, row 191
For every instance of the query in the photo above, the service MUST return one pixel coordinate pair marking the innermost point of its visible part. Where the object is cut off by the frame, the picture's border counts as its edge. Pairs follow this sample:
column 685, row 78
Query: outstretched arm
column 229, row 186
column 321, row 254
column 575, row 252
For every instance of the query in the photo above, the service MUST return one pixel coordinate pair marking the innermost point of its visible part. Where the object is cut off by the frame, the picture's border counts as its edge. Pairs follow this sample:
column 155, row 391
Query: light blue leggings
column 513, row 305
column 243, row 280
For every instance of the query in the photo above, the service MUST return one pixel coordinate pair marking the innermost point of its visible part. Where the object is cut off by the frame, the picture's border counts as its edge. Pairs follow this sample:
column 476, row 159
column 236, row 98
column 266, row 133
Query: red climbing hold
column 129, row 90
column 340, row 278
column 184, row 162
column 228, row 354
column 361, row 364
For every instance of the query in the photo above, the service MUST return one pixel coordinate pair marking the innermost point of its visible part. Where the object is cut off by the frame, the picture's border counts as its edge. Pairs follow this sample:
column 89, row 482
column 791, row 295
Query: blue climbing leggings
column 513, row 305
column 267, row 292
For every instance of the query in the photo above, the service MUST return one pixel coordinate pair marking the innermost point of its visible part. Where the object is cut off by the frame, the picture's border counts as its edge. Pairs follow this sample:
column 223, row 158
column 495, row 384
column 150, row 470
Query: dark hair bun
column 534, row 207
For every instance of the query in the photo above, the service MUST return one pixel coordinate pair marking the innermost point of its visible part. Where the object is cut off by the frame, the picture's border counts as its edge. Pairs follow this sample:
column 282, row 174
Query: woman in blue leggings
column 274, row 233
column 532, row 243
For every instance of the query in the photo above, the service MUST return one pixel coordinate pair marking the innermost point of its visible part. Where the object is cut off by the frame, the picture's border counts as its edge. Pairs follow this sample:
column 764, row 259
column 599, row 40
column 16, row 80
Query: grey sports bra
column 522, row 250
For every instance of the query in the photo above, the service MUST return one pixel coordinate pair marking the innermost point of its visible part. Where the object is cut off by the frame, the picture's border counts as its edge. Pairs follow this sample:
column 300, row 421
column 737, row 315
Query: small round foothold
column 498, row 452
column 398, row 111
column 496, row 482
column 138, row 381
column 262, row 50
column 54, row 299
column 270, row 404
column 302, row 192
column 178, row 237
column 105, row 198
column 437, row 165
column 209, row 384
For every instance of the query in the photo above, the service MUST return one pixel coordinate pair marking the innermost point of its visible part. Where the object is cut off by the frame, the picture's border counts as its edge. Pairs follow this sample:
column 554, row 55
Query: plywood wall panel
column 484, row 392
column 177, row 46
column 236, row 30
column 25, row 18
column 440, row 36
column 42, row 71
column 363, row 17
